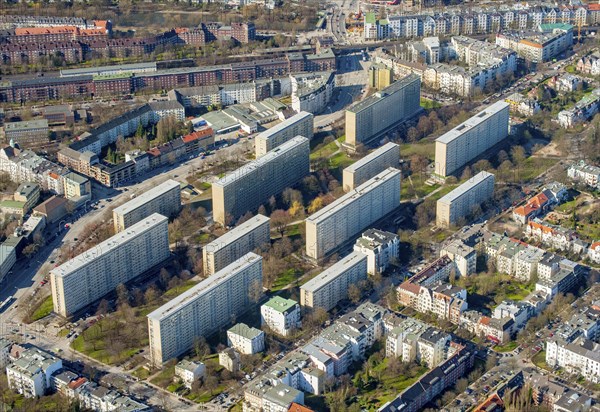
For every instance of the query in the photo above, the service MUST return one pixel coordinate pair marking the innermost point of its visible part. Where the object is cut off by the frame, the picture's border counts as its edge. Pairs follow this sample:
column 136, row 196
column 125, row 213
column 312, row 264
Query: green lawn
column 424, row 148
column 570, row 68
column 165, row 377
column 340, row 160
column 141, row 373
column 43, row 310
column 509, row 347
column 566, row 207
column 287, row 277
column 540, row 360
column 429, row 104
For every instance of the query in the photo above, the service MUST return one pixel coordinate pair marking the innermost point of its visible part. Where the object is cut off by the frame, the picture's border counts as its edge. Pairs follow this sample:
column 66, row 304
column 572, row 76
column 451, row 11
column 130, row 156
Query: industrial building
column 89, row 276
column 203, row 309
column 234, row 244
column 471, row 138
column 461, row 201
column 301, row 124
column 246, row 188
column 164, row 199
column 338, row 222
column 380, row 112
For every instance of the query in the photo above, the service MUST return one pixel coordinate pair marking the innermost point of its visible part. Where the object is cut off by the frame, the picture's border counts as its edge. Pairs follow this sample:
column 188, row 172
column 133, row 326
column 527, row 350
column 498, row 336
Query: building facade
column 461, row 201
column 164, row 199
column 371, row 165
column 96, row 272
column 203, row 309
column 301, row 124
column 281, row 315
column 330, row 286
column 338, row 222
column 246, row 188
column 470, row 139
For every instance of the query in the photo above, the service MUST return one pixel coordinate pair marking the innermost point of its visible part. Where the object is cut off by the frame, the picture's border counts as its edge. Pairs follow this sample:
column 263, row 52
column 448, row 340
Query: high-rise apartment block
column 164, row 199
column 96, row 272
column 471, row 138
column 371, row 165
column 234, row 244
column 461, row 201
column 246, row 188
column 301, row 124
column 203, row 309
column 380, row 112
column 330, row 286
column 338, row 222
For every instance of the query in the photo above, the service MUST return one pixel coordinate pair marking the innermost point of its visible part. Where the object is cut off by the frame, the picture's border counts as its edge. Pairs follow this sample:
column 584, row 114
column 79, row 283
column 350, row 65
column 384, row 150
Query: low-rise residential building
column 548, row 42
column 29, row 133
column 522, row 105
column 229, row 359
column 553, row 236
column 12, row 207
column 381, row 248
column 281, row 315
column 582, row 172
column 415, row 341
column 416, row 396
column 463, row 256
column 534, row 207
column 30, row 373
column 245, row 339
column 583, row 110
column 53, row 209
column 312, row 92
column 77, row 188
column 190, row 372
column 580, row 356
column 29, row 194
column 518, row 311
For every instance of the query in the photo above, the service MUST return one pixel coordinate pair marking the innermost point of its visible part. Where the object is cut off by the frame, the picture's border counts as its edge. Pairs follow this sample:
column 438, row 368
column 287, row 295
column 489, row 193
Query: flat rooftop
column 271, row 156
column 147, row 197
column 108, row 69
column 280, row 304
column 465, row 187
column 203, row 287
column 353, row 195
column 473, row 121
column 109, row 245
column 284, row 125
column 333, row 271
column 382, row 94
column 373, row 156
column 26, row 125
column 236, row 233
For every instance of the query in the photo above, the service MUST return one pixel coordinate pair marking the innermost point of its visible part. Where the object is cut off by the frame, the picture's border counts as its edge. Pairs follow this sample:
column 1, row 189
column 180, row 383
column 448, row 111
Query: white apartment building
column 246, row 188
column 582, row 356
column 380, row 247
column 281, row 315
column 26, row 166
column 582, row 172
column 301, row 124
column 190, row 372
column 338, row 222
column 8, row 258
column 331, row 285
column 119, row 259
column 30, row 374
column 583, row 110
column 371, row 165
column 5, row 346
column 247, row 237
column 312, row 92
column 245, row 339
column 463, row 256
column 413, row 340
column 164, row 199
column 461, row 201
column 471, row 138
column 203, row 309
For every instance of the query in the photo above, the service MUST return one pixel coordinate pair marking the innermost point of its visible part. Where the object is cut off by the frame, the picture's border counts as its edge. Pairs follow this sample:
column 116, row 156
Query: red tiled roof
column 410, row 287
column 593, row 7
column 485, row 320
column 494, row 399
column 198, row 135
column 595, row 245
column 533, row 204
column 77, row 383
column 296, row 407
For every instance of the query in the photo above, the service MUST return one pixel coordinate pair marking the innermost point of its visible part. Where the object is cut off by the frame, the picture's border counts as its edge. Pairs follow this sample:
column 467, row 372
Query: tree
column 518, row 155
column 412, row 135
column 122, row 294
column 491, row 361
column 290, row 196
column 255, row 291
column 354, row 293
column 103, row 307
column 315, row 205
column 201, row 347
column 151, row 294
column 482, row 165
column 280, row 219
column 466, row 174
column 297, row 209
